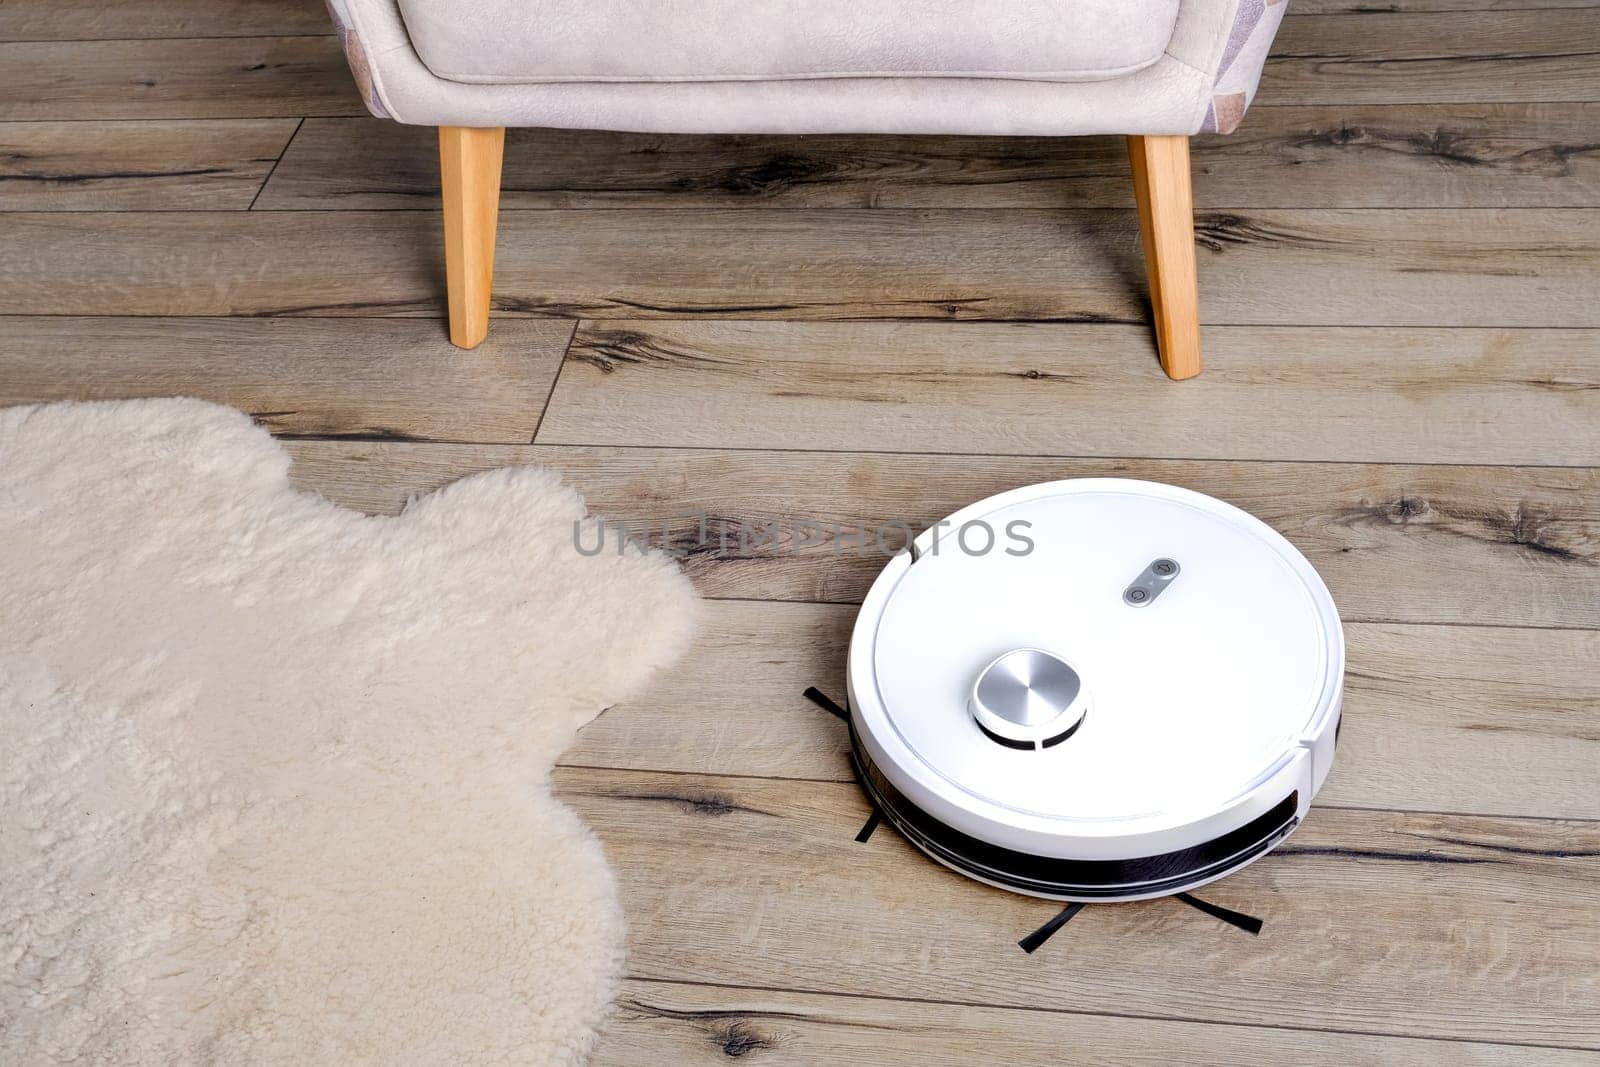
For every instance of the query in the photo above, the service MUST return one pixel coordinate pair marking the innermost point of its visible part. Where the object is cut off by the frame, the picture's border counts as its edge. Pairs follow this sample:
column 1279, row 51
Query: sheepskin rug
column 274, row 774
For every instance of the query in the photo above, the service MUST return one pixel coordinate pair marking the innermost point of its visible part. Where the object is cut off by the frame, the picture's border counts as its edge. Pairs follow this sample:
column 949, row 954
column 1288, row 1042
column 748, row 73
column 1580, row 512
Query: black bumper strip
column 1140, row 876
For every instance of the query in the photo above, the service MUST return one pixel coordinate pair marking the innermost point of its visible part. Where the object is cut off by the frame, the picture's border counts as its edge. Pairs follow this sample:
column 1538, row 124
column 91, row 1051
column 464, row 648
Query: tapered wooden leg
column 1166, row 219
column 469, row 172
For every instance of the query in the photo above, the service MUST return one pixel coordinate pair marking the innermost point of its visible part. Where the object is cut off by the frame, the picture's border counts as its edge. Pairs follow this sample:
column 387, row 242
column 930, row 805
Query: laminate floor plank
column 1530, row 267
column 362, row 378
column 1357, row 7
column 1434, row 57
column 1492, row 546
column 1325, row 156
column 195, row 165
column 82, row 20
column 1437, row 719
column 200, row 78
column 1392, row 923
column 691, row 1025
column 1434, row 396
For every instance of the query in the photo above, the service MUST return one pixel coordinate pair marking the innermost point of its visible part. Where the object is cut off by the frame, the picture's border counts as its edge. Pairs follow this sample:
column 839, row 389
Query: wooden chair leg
column 469, row 173
column 1166, row 220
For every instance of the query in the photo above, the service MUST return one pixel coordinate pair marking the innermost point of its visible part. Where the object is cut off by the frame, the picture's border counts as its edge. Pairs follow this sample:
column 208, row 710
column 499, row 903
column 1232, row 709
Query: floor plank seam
column 1003, row 1006
column 274, row 168
column 737, row 211
column 555, row 380
column 692, row 319
column 172, row 40
column 173, row 118
column 1351, row 620
column 1055, row 456
column 804, row 780
column 1202, row 209
column 717, row 318
column 611, row 445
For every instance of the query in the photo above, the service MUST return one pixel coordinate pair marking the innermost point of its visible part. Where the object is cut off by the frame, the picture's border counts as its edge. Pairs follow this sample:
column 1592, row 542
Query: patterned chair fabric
column 1043, row 67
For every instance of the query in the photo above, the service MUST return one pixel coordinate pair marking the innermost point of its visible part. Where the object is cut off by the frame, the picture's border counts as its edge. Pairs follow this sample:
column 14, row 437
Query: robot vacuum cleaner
column 1096, row 689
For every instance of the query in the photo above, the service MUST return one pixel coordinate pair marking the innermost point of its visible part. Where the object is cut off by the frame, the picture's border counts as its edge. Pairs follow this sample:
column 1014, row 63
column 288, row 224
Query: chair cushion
column 520, row 41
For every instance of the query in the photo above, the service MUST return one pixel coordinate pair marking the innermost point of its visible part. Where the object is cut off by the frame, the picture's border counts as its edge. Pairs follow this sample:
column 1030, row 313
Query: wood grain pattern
column 1453, row 155
column 1424, row 925
column 1530, row 267
column 1508, row 546
column 1480, row 701
column 1420, row 57
column 1434, row 396
column 242, row 77
column 78, row 20
column 196, row 165
column 325, row 377
column 699, row 1026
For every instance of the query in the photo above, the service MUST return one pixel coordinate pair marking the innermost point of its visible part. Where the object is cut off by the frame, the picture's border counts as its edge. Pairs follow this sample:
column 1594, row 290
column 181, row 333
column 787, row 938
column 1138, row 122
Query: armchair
column 1156, row 71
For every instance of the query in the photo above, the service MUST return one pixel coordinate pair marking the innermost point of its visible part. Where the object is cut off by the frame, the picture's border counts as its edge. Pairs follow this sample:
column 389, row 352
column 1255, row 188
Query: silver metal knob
column 1028, row 698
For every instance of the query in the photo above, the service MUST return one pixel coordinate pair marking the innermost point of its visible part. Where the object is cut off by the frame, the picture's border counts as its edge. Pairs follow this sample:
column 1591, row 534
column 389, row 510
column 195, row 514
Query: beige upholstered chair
column 1155, row 70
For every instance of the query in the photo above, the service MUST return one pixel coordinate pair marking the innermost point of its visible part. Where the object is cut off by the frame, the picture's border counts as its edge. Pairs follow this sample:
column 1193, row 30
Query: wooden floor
column 1400, row 276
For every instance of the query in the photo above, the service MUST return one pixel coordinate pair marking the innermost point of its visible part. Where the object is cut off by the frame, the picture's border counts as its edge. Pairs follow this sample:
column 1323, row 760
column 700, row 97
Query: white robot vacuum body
column 1111, row 690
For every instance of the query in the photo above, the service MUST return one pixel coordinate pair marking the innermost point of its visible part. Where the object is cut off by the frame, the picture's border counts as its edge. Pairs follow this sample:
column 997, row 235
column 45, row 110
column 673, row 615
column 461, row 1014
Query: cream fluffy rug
column 273, row 774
